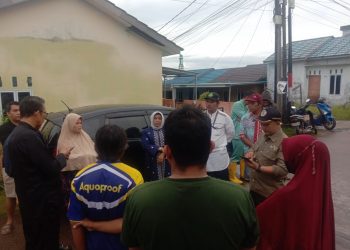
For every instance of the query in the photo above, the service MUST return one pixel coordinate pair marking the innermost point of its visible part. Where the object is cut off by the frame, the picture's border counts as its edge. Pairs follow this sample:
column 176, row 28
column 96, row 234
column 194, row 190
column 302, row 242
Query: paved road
column 338, row 142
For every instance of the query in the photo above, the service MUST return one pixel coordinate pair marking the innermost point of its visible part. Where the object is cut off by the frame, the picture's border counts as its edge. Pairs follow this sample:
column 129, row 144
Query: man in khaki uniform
column 266, row 157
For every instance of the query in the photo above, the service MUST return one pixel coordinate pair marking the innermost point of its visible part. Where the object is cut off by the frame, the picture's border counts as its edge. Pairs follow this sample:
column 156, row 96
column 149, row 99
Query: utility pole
column 291, row 5
column 284, row 48
column 287, row 103
column 284, row 97
column 277, row 19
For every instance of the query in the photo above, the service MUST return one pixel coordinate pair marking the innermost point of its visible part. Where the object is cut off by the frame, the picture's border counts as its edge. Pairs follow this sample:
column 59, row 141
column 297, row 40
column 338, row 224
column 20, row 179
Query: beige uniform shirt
column 268, row 152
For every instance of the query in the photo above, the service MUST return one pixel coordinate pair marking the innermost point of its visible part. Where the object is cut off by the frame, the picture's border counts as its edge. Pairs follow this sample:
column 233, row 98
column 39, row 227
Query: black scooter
column 302, row 119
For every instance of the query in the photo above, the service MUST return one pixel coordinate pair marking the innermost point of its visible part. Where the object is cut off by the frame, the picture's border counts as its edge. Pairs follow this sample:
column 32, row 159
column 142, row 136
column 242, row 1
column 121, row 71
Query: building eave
column 166, row 71
column 214, row 85
column 131, row 23
column 314, row 58
column 134, row 25
column 327, row 57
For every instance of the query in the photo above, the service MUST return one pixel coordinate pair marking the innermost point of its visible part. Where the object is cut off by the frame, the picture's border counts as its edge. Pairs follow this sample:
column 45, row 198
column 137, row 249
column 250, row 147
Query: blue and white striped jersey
column 98, row 193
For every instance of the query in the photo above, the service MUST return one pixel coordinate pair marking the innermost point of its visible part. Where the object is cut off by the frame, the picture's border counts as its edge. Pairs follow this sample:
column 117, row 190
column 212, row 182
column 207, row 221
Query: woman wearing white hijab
column 153, row 142
column 83, row 153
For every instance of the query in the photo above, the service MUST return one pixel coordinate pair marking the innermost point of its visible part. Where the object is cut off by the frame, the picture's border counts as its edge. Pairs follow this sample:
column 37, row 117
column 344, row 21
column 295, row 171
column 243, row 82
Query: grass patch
column 288, row 130
column 341, row 113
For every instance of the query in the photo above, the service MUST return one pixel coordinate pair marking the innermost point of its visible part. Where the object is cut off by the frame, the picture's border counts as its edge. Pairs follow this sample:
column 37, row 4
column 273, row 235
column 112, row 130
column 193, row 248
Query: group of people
column 189, row 202
column 256, row 135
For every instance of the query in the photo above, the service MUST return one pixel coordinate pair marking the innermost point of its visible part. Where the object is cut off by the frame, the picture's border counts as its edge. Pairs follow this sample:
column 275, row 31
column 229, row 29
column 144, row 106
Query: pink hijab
column 300, row 215
column 83, row 152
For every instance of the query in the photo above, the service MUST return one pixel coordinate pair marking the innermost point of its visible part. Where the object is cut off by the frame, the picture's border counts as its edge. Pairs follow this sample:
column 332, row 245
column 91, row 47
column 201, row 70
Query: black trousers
column 257, row 198
column 223, row 174
column 41, row 225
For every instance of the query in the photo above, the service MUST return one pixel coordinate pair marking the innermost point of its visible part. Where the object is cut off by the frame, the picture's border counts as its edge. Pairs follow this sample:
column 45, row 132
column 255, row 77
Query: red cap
column 254, row 98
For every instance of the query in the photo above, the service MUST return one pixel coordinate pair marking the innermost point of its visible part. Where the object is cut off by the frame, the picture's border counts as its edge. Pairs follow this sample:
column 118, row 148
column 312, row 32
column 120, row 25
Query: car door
column 133, row 122
column 92, row 123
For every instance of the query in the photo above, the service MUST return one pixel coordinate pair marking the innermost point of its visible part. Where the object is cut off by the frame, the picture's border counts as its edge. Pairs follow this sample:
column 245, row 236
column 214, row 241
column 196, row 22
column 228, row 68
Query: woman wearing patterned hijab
column 300, row 215
column 153, row 142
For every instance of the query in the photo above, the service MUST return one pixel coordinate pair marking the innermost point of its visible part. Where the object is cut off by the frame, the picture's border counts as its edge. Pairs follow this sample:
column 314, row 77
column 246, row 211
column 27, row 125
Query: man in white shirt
column 222, row 132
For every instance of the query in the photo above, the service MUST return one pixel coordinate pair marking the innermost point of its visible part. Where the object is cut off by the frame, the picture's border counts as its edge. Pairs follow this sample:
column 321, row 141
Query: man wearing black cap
column 266, row 157
column 222, row 132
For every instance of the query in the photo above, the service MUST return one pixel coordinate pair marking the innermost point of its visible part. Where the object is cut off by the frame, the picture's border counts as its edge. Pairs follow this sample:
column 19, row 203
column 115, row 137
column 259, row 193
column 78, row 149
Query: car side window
column 134, row 156
column 91, row 125
column 133, row 125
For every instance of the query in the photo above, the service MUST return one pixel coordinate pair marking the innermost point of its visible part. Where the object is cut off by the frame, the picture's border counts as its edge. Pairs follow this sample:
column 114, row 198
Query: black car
column 132, row 118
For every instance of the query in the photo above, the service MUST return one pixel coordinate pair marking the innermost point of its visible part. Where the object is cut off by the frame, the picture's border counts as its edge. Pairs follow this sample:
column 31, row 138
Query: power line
column 329, row 8
column 188, row 16
column 199, row 3
column 223, row 25
column 215, row 30
column 206, row 20
column 340, row 4
column 185, row 18
column 316, row 13
column 345, row 3
column 213, row 20
column 234, row 10
column 232, row 39
column 313, row 20
column 256, row 27
column 220, row 14
column 178, row 14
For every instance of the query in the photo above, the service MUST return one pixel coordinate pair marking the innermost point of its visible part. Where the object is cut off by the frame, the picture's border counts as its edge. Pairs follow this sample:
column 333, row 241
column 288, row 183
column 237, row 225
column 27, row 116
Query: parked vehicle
column 325, row 117
column 305, row 121
column 132, row 118
column 302, row 119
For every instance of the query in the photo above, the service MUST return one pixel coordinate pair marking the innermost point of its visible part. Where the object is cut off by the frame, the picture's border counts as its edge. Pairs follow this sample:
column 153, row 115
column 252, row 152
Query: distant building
column 321, row 68
column 230, row 83
column 79, row 51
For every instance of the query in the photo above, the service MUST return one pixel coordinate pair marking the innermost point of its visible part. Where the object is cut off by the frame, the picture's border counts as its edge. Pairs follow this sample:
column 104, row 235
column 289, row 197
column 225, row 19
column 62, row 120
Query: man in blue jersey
column 99, row 192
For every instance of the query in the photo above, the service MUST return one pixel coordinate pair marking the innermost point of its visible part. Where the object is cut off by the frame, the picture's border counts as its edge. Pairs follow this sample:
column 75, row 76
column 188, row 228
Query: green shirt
column 238, row 110
column 182, row 214
column 268, row 152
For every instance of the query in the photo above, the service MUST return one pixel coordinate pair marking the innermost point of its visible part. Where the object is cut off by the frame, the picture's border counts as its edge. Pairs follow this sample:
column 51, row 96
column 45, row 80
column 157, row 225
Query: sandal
column 7, row 229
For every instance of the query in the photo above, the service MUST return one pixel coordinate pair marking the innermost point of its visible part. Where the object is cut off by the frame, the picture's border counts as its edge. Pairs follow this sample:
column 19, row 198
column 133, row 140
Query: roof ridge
column 341, row 38
column 310, row 39
column 318, row 47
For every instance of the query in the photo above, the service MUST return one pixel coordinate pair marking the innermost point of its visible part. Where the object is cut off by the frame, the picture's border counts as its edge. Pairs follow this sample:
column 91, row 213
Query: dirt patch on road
column 15, row 241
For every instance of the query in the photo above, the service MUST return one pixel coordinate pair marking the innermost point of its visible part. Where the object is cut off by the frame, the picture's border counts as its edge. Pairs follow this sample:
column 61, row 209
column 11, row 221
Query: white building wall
column 270, row 76
column 299, row 78
column 332, row 67
column 302, row 70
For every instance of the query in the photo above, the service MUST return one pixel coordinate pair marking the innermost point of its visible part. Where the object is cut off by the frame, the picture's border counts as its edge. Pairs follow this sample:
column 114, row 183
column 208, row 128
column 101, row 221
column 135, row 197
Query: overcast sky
column 232, row 33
